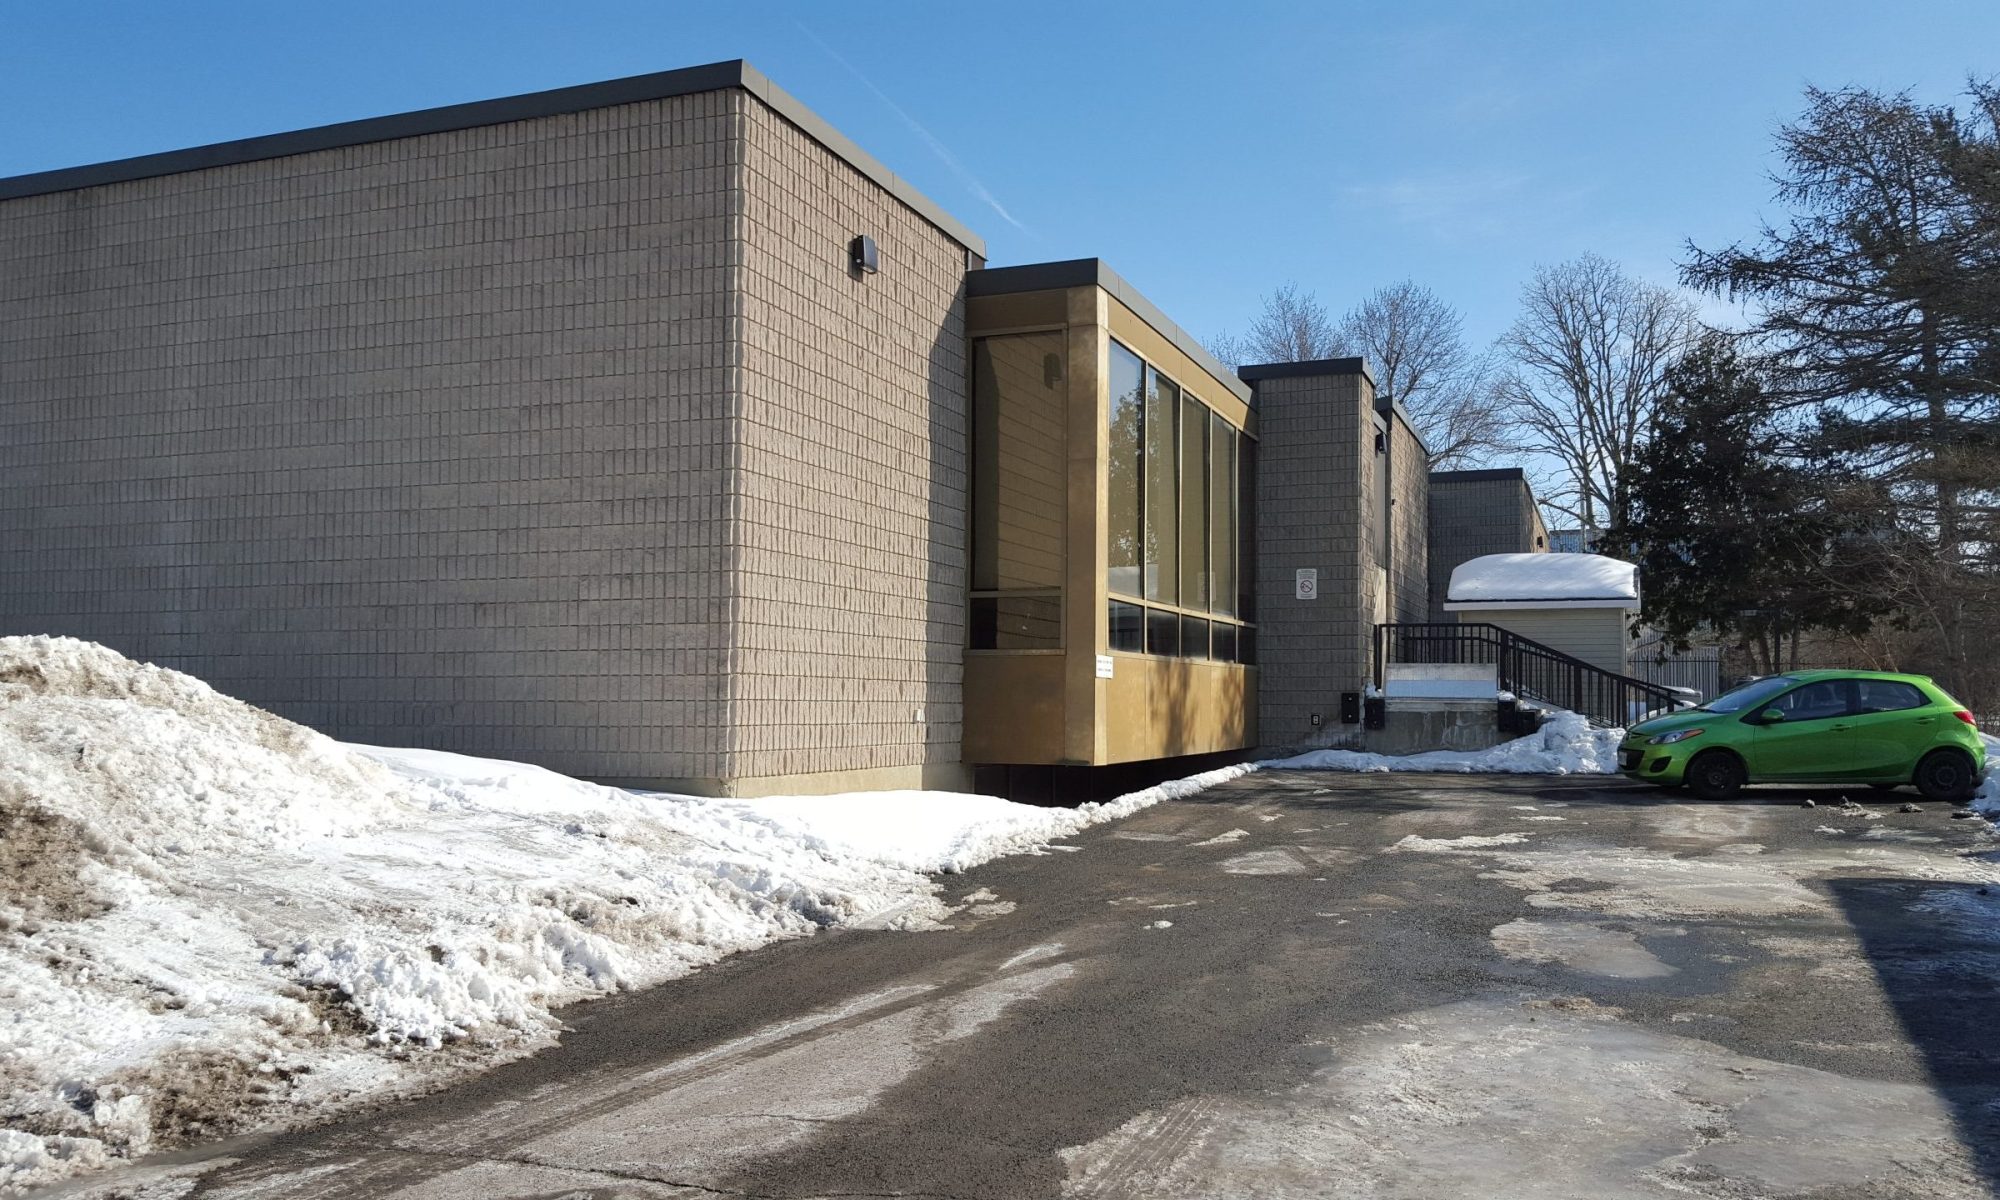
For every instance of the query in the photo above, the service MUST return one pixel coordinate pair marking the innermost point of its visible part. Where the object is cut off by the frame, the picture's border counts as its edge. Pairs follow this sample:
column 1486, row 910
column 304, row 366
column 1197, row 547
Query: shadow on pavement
column 1935, row 949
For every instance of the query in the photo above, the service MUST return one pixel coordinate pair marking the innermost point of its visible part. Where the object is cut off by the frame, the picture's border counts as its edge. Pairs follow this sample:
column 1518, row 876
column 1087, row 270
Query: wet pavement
column 1296, row 984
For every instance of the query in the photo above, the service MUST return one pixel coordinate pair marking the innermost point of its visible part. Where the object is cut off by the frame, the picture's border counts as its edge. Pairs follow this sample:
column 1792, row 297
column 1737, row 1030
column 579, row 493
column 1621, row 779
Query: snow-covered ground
column 210, row 916
column 1566, row 745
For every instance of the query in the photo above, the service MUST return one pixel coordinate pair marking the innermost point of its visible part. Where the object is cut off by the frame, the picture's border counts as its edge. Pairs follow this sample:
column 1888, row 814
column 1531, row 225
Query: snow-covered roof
column 1543, row 580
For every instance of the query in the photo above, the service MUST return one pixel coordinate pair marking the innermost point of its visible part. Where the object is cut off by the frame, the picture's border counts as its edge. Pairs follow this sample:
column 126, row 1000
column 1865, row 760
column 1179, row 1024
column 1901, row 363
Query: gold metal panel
column 1014, row 707
column 1162, row 707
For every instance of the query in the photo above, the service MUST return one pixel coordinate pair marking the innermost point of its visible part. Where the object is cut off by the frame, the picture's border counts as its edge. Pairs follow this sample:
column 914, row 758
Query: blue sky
column 1209, row 152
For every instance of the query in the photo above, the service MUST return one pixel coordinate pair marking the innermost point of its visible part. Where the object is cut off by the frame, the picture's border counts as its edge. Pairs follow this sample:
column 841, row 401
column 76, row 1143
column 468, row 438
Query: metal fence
column 1699, row 670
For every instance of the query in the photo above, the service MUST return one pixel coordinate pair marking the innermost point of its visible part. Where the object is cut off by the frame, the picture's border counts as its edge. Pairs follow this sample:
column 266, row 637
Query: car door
column 1892, row 725
column 1809, row 743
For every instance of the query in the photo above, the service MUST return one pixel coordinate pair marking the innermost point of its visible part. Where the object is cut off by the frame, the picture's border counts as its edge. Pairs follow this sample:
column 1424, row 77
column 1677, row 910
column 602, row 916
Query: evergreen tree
column 1877, row 309
column 1732, row 532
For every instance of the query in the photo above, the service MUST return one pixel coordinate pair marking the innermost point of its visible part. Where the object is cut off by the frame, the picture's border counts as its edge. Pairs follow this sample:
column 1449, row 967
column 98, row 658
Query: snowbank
column 1566, row 745
column 210, row 915
column 1986, row 801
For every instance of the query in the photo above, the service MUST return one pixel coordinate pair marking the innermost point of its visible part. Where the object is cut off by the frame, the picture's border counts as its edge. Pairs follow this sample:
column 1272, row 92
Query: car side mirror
column 1771, row 716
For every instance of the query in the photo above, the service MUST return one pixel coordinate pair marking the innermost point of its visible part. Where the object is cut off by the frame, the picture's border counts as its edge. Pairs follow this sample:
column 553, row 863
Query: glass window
column 1815, row 701
column 1128, row 627
column 1163, row 632
column 1128, row 378
column 1246, row 528
column 1162, row 499
column 1750, row 695
column 1886, row 695
column 1019, row 491
column 1016, row 622
column 1222, row 516
column 1222, row 642
column 1018, row 462
column 1194, row 637
column 1246, row 644
column 1194, row 502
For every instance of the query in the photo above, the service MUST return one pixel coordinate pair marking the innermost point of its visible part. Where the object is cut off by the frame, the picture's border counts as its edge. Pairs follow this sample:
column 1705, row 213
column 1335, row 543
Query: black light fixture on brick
column 862, row 255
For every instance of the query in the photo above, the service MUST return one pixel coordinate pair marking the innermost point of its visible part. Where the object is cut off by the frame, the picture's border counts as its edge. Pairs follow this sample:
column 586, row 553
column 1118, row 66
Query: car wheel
column 1715, row 775
column 1946, row 775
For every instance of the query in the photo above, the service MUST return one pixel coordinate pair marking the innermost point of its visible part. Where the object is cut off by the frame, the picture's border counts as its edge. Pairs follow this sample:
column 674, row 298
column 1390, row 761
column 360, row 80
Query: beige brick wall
column 853, row 480
column 424, row 441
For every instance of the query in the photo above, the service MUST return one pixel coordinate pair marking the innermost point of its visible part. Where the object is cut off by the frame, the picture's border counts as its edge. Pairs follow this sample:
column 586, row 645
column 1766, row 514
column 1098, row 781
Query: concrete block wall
column 855, row 396
column 1473, row 513
column 424, row 441
column 1316, row 444
column 1409, row 552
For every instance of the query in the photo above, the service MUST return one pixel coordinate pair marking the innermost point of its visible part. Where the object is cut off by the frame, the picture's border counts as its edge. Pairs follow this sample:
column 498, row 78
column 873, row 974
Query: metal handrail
column 1527, row 668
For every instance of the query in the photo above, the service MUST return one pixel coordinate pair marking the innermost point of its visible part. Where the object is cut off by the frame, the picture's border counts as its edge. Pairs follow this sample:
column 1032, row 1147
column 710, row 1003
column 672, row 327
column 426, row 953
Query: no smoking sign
column 1305, row 583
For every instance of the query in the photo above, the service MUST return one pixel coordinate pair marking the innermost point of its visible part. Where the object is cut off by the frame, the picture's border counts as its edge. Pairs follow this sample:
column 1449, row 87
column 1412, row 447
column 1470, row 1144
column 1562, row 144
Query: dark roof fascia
column 1387, row 405
column 1481, row 475
column 1259, row 372
column 634, row 89
column 1093, row 272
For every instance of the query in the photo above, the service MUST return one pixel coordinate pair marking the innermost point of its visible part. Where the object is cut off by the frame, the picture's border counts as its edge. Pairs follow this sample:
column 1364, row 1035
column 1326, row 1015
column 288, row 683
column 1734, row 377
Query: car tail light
column 1965, row 715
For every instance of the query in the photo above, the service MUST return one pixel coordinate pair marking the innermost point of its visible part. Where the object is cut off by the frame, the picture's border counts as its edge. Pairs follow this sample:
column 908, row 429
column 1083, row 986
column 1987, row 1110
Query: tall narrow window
column 1162, row 496
column 1018, row 490
column 1121, row 539
column 1246, row 531
column 1194, row 503
column 1222, row 516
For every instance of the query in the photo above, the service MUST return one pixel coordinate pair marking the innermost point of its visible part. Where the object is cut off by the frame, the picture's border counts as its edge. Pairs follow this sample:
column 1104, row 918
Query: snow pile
column 1986, row 801
column 1516, row 577
column 210, row 915
column 1566, row 745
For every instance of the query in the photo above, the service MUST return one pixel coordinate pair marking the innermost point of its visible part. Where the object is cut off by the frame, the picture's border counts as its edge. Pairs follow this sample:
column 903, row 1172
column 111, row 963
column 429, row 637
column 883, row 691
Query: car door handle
column 1840, row 728
column 1925, row 720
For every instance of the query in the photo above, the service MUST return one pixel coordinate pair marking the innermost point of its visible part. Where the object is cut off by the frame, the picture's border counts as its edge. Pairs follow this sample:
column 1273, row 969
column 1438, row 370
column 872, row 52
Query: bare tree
column 1415, row 343
column 1293, row 327
column 1586, row 366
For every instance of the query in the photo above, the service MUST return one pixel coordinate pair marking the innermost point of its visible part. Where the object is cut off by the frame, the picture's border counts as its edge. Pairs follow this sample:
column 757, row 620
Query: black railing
column 1528, row 669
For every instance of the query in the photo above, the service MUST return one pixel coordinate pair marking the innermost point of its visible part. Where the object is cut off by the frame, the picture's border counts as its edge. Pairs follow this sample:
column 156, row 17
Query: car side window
column 1815, row 701
column 1886, row 695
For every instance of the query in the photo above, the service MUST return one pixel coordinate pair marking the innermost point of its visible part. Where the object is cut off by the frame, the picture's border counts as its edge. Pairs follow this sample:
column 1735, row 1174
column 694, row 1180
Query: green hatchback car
column 1862, row 727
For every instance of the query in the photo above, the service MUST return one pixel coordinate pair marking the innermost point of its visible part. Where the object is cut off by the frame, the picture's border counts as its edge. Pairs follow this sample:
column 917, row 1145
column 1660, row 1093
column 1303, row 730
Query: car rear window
column 1886, row 695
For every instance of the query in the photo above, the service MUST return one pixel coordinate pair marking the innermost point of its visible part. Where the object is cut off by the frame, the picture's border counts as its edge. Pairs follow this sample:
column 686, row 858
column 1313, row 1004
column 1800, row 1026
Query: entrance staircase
column 1527, row 668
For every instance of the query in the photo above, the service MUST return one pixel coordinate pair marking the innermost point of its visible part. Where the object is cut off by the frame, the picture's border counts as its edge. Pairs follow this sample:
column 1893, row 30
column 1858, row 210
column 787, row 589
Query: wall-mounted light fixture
column 1381, row 442
column 862, row 256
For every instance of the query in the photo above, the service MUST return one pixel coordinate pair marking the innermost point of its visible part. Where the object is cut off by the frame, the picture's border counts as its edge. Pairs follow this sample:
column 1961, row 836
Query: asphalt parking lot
column 1297, row 984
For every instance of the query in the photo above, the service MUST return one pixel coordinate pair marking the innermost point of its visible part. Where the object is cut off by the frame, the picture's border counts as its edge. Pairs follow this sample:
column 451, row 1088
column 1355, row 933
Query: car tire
column 1715, row 775
column 1946, row 775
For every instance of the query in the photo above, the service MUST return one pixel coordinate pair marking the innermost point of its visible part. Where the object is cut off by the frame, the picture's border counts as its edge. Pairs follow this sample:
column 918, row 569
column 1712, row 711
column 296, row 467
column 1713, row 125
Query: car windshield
column 1749, row 695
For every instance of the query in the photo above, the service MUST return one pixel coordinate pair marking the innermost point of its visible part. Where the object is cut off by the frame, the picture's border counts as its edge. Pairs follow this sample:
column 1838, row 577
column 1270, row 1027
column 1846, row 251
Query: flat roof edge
column 634, row 89
column 1479, row 475
column 1256, row 372
column 1095, row 272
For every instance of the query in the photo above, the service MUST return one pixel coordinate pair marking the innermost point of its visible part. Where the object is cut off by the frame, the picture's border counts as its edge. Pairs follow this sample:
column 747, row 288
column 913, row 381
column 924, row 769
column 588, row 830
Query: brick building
column 653, row 432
